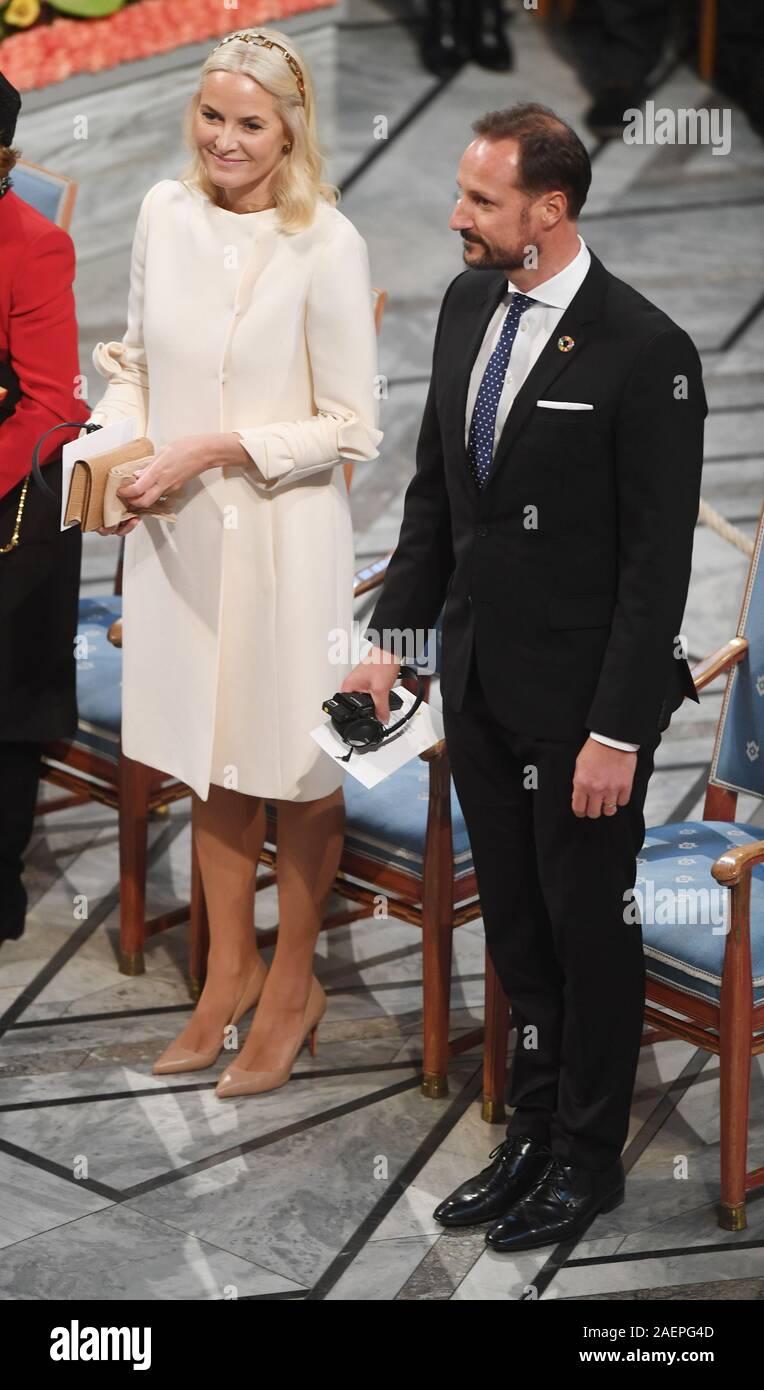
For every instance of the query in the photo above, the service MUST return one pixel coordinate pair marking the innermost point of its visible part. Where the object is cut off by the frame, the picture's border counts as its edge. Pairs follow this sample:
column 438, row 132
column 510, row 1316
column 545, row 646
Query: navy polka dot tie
column 483, row 424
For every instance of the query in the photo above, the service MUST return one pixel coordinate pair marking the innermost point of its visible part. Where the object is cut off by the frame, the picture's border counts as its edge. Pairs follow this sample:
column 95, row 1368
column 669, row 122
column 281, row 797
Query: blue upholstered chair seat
column 687, row 949
column 389, row 822
column 99, row 677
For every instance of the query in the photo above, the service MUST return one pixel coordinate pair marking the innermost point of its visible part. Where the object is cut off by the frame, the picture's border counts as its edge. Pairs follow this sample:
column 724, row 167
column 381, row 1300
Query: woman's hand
column 173, row 466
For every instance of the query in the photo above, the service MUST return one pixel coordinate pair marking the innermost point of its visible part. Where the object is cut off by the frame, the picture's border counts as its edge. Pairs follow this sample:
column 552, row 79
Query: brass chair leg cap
column 733, row 1218
column 434, row 1085
column 493, row 1111
column 131, row 963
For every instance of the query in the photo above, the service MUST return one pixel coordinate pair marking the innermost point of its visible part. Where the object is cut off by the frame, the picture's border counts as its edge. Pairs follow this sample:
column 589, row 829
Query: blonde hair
column 298, row 181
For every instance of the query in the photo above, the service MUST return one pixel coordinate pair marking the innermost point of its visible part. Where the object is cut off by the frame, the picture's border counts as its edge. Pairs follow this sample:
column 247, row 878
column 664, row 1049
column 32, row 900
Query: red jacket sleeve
column 42, row 350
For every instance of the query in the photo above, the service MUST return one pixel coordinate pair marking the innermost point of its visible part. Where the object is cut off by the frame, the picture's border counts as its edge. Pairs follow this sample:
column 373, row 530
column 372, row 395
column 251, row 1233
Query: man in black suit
column 553, row 509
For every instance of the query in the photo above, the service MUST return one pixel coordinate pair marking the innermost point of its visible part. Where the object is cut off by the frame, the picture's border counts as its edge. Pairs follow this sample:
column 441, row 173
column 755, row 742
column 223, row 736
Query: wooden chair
column 405, row 844
column 705, row 971
column 92, row 767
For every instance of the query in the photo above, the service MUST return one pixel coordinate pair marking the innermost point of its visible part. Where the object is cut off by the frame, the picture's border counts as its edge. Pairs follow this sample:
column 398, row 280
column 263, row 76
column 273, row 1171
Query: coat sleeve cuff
column 615, row 743
column 320, row 442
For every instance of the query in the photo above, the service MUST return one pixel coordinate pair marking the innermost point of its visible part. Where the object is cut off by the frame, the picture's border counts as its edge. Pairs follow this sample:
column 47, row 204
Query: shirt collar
column 559, row 290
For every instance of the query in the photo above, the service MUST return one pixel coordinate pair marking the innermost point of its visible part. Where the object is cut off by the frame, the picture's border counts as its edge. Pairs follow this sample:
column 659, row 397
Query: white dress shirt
column 537, row 325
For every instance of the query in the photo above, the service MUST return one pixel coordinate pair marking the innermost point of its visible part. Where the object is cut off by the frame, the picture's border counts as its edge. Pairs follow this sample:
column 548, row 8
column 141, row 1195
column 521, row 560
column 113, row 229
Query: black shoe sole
column 534, row 1242
column 466, row 1225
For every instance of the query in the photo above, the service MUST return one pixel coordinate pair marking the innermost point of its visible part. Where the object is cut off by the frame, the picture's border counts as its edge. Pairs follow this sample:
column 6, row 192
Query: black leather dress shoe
column 517, row 1163
column 558, row 1206
column 486, row 35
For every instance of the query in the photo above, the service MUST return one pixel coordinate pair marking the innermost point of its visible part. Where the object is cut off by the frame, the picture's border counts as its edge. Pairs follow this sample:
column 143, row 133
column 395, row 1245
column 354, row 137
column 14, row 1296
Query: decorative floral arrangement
column 44, row 41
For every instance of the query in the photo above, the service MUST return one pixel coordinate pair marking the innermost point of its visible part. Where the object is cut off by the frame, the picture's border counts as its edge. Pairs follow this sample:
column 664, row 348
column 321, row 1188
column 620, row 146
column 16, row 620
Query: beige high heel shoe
column 183, row 1059
column 237, row 1081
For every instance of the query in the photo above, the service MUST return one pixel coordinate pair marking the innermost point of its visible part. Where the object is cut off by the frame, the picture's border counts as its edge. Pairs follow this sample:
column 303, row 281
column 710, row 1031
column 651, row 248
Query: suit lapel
column 576, row 324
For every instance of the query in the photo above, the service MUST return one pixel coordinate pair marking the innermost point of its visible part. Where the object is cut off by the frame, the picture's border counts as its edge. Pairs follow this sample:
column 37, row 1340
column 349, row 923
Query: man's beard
column 499, row 257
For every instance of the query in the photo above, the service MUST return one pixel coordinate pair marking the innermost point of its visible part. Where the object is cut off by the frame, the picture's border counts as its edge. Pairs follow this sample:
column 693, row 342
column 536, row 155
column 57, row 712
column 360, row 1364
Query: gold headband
column 270, row 43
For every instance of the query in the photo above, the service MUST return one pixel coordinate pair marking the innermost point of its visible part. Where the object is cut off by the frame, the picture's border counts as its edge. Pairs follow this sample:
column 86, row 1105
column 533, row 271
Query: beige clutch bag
column 93, row 499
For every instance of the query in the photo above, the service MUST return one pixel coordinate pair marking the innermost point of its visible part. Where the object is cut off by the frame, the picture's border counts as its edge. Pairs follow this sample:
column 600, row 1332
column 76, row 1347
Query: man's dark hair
column 551, row 154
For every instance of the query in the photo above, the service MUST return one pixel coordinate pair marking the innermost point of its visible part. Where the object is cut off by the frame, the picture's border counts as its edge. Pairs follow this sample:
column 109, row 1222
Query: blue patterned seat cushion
column 389, row 822
column 684, row 936
column 99, row 677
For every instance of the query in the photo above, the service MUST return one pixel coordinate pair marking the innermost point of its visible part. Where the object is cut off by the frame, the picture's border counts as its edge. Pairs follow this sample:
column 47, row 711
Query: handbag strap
column 36, row 469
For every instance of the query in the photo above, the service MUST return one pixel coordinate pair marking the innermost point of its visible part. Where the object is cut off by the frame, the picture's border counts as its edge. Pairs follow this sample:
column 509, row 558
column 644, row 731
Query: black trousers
column 570, row 961
column 19, row 781
column 633, row 33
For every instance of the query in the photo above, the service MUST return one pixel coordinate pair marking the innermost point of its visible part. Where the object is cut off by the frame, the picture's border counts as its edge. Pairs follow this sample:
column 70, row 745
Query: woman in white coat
column 250, row 361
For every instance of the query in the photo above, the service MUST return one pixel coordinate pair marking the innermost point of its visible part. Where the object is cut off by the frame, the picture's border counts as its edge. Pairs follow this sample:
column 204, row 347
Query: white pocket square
column 565, row 405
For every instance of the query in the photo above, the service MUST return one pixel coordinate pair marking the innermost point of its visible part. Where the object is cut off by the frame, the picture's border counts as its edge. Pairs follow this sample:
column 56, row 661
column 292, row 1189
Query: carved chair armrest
column 731, row 866
column 436, row 751
column 706, row 670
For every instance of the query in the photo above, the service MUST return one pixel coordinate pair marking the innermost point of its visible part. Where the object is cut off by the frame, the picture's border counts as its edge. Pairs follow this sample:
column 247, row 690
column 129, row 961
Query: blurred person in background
column 455, row 31
column 39, row 564
column 630, row 37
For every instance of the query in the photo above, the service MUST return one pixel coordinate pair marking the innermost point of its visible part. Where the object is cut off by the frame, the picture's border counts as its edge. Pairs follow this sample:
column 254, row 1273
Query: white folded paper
column 423, row 730
column 99, row 442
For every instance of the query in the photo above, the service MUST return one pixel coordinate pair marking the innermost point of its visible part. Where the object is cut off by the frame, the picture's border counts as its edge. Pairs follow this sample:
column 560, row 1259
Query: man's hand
column 376, row 674
column 602, row 780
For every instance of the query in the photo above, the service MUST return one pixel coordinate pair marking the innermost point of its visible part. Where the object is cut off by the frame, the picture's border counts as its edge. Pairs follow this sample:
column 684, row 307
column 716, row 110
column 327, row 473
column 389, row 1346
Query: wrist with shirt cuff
column 615, row 742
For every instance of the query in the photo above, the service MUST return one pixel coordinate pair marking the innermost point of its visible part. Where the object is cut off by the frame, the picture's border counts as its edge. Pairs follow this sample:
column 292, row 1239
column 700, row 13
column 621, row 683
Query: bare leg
column 310, row 839
column 229, row 830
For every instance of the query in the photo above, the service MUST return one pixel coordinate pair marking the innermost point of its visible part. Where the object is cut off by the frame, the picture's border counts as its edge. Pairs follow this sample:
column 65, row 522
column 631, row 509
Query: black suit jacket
column 570, row 569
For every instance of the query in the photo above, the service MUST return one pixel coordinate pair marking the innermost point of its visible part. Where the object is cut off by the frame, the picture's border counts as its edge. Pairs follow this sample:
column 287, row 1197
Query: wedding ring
column 608, row 805
column 163, row 498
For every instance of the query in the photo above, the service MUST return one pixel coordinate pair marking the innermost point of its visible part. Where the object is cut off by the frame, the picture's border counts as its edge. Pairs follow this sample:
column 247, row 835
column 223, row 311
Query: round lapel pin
column 565, row 344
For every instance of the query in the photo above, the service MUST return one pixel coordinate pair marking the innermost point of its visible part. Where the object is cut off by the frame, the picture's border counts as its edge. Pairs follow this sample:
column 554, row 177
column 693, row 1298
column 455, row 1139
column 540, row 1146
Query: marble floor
column 123, row 1185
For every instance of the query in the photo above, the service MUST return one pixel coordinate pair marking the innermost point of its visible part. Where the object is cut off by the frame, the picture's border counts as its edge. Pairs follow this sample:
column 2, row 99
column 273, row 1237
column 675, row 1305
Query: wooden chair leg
column 707, row 39
column 735, row 1052
column 734, row 1096
column 134, row 782
column 497, row 1024
column 735, row 1085
column 437, row 951
column 437, row 929
column 200, row 927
